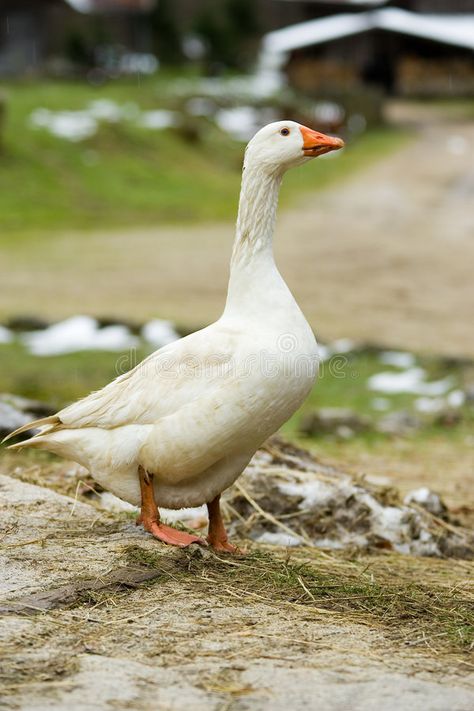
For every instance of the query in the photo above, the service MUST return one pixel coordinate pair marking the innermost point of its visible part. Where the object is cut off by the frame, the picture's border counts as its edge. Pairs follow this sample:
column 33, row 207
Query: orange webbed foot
column 173, row 537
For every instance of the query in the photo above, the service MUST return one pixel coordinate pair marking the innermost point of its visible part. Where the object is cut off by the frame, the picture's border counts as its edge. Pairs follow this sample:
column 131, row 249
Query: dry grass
column 418, row 606
column 419, row 603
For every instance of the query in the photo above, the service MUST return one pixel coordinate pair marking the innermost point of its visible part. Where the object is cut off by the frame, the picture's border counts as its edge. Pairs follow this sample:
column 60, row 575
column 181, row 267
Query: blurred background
column 122, row 130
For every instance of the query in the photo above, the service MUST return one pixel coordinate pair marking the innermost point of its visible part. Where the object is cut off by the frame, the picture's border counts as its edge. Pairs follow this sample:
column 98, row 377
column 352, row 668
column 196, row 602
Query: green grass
column 345, row 386
column 60, row 379
column 126, row 175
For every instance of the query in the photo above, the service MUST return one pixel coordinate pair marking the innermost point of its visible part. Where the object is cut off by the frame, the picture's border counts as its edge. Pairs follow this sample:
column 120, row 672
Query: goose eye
column 285, row 132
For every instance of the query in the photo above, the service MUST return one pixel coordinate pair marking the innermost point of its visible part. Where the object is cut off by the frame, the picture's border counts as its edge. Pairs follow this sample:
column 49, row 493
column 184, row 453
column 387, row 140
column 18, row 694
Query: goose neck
column 254, row 278
column 256, row 217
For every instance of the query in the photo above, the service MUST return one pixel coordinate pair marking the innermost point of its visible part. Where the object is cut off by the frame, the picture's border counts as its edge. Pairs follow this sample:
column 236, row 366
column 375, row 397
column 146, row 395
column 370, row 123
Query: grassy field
column 63, row 378
column 126, row 174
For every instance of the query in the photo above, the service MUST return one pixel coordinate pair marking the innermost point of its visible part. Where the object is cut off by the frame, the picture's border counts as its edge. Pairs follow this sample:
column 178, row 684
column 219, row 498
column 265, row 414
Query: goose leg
column 150, row 517
column 217, row 536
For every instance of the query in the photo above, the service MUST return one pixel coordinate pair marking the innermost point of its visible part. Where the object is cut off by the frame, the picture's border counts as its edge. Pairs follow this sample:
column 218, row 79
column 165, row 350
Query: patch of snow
column 331, row 543
column 456, row 398
column 381, row 404
column 398, row 359
column 78, row 333
column 457, row 145
column 420, row 496
column 410, row 381
column 78, row 125
column 111, row 112
column 5, row 335
column 105, row 110
column 378, row 479
column 426, row 498
column 324, row 352
column 437, row 387
column 11, row 418
column 388, row 382
column 240, row 122
column 159, row 333
column 429, row 404
column 112, row 503
column 328, row 112
column 386, row 520
column 354, row 516
column 342, row 345
column 278, row 539
column 138, row 63
column 173, row 515
column 71, row 125
column 314, row 493
column 158, row 120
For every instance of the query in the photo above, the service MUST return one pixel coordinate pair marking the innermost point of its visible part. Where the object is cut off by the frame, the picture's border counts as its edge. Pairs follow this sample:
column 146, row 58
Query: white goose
column 181, row 426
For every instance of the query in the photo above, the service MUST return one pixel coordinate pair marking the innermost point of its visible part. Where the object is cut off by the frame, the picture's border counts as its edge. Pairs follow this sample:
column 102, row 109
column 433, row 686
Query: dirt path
column 180, row 642
column 389, row 255
column 386, row 256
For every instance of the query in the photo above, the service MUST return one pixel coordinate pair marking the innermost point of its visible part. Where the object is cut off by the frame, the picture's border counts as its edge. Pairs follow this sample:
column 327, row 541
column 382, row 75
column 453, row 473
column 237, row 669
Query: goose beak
column 316, row 144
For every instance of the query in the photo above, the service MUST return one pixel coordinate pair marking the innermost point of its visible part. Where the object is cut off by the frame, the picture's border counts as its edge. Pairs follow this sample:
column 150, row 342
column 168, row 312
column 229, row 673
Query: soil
column 81, row 628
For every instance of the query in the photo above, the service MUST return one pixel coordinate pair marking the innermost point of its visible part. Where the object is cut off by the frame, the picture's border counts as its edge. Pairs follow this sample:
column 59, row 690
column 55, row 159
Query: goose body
column 194, row 412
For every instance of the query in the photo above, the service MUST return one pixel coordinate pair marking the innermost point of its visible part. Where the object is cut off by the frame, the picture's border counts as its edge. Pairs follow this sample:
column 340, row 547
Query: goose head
column 284, row 144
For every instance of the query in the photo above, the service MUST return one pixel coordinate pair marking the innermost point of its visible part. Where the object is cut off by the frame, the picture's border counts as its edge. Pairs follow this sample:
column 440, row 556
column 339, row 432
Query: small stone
column 399, row 424
column 10, row 419
column 341, row 422
column 448, row 418
column 26, row 323
column 16, row 411
column 27, row 406
column 469, row 393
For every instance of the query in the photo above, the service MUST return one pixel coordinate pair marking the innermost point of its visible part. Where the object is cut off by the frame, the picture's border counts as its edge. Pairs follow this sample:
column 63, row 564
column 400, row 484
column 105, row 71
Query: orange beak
column 316, row 144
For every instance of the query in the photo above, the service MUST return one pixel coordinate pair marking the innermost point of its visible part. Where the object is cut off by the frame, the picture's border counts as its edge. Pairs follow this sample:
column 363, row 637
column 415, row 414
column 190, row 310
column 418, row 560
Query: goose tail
column 53, row 421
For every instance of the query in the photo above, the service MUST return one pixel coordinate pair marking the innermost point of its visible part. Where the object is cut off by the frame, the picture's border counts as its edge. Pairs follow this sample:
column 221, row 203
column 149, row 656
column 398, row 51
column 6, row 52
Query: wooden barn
column 416, row 48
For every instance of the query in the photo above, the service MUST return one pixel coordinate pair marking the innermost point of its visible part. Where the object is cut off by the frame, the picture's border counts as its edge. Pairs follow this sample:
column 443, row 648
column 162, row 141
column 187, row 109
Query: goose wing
column 161, row 384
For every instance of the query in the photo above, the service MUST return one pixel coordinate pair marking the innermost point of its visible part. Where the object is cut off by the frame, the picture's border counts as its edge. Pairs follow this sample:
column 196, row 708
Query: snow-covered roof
column 343, row 2
column 111, row 5
column 456, row 29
